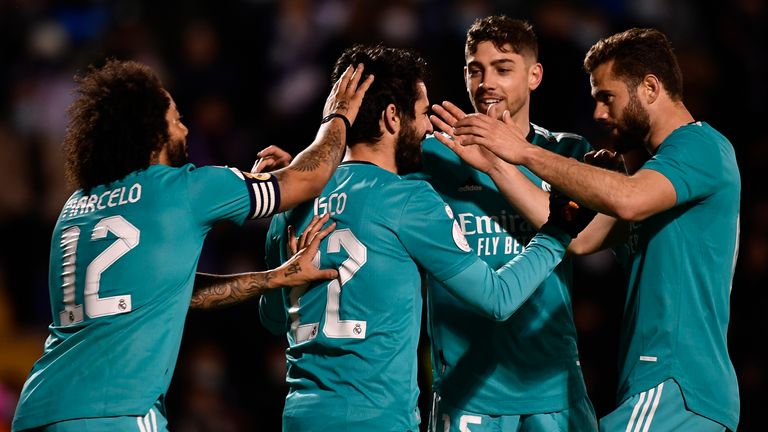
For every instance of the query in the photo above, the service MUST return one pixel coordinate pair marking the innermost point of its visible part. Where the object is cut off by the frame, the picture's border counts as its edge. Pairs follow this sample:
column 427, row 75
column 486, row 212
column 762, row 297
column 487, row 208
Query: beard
column 177, row 152
column 408, row 150
column 633, row 126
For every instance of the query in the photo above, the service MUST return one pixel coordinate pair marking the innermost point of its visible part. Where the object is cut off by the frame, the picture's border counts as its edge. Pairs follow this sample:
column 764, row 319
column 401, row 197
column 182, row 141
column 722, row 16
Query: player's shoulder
column 564, row 143
column 413, row 191
column 558, row 137
column 430, row 145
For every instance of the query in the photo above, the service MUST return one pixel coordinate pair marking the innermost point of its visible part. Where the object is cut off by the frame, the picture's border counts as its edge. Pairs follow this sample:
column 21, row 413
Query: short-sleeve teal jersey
column 678, row 299
column 122, row 267
column 529, row 363
column 352, row 357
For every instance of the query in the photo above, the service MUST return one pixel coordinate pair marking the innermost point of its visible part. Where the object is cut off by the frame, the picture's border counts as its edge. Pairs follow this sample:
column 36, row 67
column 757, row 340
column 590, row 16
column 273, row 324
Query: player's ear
column 650, row 88
column 391, row 119
column 535, row 75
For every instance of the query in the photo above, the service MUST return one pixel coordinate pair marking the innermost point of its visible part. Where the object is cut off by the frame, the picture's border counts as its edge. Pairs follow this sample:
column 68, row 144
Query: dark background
column 247, row 74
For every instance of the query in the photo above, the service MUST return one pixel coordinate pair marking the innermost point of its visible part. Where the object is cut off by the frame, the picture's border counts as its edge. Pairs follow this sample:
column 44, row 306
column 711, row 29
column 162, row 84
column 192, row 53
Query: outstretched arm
column 635, row 197
column 213, row 291
column 309, row 172
column 528, row 200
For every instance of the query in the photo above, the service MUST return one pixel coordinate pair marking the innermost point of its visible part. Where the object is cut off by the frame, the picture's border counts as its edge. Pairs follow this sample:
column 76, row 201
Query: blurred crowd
column 250, row 73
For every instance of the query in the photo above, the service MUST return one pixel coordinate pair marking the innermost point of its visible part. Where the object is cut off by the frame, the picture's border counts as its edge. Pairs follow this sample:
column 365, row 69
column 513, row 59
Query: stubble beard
column 408, row 150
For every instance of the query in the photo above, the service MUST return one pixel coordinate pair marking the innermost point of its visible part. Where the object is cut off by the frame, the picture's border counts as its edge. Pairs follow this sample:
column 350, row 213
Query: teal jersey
column 352, row 342
column 527, row 364
column 122, row 267
column 678, row 298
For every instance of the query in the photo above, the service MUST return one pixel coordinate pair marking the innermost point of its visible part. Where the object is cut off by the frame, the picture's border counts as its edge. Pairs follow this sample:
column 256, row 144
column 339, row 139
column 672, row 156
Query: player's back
column 122, row 266
column 352, row 344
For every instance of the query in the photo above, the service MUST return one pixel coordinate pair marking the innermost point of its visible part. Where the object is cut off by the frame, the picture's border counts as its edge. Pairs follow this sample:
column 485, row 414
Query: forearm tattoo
column 212, row 291
column 328, row 151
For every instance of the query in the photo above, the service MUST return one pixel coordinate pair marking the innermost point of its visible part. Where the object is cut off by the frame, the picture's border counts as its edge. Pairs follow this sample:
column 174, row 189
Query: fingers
column 364, row 86
column 506, row 117
column 355, row 79
column 453, row 110
column 317, row 237
column 327, row 274
column 258, row 166
column 310, row 231
column 494, row 111
column 343, row 82
column 441, row 125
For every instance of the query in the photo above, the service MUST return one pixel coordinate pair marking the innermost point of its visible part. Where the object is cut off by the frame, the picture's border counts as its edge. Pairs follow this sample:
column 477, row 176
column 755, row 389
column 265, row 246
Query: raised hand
column 347, row 93
column 270, row 159
column 446, row 115
column 502, row 137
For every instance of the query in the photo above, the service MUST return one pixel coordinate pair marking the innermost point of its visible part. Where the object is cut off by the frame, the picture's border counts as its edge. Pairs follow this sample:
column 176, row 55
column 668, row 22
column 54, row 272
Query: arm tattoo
column 212, row 291
column 328, row 151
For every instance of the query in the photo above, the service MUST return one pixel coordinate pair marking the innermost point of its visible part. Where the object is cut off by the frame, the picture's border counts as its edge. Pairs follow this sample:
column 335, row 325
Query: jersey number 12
column 128, row 238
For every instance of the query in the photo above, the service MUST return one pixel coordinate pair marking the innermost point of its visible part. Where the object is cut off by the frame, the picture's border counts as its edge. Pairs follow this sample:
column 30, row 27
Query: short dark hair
column 502, row 30
column 397, row 73
column 115, row 124
column 636, row 53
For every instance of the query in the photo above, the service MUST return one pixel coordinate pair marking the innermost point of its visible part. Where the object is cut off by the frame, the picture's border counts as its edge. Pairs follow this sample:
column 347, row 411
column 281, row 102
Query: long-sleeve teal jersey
column 529, row 363
column 352, row 342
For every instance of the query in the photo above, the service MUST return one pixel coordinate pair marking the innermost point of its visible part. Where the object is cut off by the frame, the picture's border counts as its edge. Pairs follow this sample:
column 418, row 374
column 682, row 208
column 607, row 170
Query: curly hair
column 115, row 124
column 397, row 71
column 635, row 54
column 502, row 30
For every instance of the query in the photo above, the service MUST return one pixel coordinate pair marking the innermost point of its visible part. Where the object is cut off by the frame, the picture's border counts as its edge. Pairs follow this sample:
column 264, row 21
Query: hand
column 502, row 137
column 567, row 214
column 606, row 159
column 303, row 267
column 270, row 159
column 476, row 156
column 347, row 93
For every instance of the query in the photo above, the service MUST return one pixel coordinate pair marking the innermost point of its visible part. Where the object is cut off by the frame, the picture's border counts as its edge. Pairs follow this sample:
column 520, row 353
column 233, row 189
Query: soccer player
column 522, row 373
column 352, row 342
column 126, row 244
column 675, row 373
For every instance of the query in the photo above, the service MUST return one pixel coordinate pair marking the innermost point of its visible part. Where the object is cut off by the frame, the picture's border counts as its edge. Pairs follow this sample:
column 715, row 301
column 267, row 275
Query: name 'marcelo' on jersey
column 122, row 267
column 353, row 341
column 529, row 363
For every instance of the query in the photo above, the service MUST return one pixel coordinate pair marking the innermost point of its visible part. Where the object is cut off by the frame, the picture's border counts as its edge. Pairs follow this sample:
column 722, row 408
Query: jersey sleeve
column 499, row 294
column 430, row 234
column 693, row 173
column 272, row 312
column 435, row 241
column 221, row 193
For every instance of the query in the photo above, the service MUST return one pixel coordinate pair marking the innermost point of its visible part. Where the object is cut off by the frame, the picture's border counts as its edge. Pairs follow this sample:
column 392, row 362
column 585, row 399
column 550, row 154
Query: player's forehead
column 487, row 53
column 172, row 103
column 423, row 98
column 602, row 79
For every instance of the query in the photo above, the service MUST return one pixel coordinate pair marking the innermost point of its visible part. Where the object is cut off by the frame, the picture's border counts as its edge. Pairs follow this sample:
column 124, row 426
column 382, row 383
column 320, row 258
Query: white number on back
column 128, row 238
column 334, row 326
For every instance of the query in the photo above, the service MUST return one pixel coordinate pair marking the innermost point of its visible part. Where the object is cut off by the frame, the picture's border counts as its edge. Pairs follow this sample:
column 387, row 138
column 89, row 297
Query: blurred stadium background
column 250, row 73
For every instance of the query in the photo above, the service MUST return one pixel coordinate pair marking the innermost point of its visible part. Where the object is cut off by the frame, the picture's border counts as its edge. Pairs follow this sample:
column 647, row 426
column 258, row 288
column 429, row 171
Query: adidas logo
column 470, row 186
